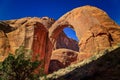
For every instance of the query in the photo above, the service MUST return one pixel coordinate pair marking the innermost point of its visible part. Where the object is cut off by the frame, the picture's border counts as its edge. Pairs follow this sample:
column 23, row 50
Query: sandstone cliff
column 28, row 32
column 62, row 42
column 95, row 30
column 31, row 33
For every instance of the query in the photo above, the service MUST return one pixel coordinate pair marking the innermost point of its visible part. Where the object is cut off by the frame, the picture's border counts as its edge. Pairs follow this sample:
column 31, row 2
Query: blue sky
column 14, row 9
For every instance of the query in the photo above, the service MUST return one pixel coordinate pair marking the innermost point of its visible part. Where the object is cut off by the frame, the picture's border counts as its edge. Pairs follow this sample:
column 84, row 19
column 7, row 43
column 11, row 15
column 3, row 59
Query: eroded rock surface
column 62, row 58
column 95, row 30
column 4, row 45
column 64, row 42
column 31, row 33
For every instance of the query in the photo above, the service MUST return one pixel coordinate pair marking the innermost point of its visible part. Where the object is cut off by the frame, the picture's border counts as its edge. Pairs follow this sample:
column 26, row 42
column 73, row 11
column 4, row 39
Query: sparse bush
column 19, row 66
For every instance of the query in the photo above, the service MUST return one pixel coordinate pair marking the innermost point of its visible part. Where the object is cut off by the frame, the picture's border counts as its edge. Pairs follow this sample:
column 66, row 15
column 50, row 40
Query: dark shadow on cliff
column 6, row 27
column 106, row 67
column 55, row 65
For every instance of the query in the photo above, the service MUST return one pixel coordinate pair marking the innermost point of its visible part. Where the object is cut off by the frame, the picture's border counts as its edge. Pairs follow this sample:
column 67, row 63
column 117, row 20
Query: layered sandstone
column 62, row 58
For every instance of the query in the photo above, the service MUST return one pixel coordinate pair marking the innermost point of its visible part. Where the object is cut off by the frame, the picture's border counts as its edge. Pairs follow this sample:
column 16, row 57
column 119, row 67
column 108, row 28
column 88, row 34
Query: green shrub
column 19, row 66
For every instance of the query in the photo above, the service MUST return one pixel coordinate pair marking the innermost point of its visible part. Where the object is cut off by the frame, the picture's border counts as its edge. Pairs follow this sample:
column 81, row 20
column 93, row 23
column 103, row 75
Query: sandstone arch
column 93, row 28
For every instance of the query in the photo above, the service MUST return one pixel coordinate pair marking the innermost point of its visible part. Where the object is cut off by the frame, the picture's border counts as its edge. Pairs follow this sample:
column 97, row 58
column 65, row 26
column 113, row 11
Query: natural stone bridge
column 93, row 27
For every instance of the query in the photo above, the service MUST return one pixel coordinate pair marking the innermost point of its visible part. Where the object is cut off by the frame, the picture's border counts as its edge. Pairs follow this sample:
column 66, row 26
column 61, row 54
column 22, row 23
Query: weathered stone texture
column 64, row 42
column 94, row 29
column 4, row 46
column 62, row 58
column 32, row 34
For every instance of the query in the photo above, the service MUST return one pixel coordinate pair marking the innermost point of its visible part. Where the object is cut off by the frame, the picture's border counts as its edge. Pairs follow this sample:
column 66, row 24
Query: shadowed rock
column 62, row 58
column 98, row 67
column 64, row 42
column 6, row 27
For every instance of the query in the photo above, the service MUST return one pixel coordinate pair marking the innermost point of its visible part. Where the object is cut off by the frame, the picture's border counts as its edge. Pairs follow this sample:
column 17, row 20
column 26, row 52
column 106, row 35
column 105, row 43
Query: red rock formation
column 62, row 58
column 31, row 33
column 94, row 29
column 64, row 42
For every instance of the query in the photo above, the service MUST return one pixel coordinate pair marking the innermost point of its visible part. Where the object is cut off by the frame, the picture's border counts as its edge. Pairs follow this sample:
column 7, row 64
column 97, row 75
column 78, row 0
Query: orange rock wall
column 94, row 29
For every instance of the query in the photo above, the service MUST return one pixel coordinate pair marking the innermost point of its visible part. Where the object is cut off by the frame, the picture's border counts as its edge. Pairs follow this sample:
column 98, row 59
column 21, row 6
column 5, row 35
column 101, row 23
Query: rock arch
column 92, row 26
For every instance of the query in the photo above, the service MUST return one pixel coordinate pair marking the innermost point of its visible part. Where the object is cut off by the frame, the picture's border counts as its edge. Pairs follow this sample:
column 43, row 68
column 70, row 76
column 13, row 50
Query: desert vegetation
column 19, row 66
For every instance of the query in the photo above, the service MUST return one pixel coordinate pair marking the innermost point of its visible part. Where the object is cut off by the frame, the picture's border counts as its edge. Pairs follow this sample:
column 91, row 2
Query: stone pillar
column 39, row 46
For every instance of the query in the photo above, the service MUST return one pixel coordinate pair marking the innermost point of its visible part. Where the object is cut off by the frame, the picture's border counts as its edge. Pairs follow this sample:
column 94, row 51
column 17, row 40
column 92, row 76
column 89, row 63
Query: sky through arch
column 70, row 33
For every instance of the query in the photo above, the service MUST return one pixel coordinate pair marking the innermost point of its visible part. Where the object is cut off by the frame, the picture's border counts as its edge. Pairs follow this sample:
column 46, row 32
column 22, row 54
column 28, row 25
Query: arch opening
column 70, row 33
column 65, row 38
column 65, row 47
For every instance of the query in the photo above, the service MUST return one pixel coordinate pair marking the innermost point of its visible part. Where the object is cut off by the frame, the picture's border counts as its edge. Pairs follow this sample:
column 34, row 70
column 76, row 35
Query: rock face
column 94, row 29
column 4, row 45
column 31, row 33
column 64, row 42
column 5, row 27
column 62, row 58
